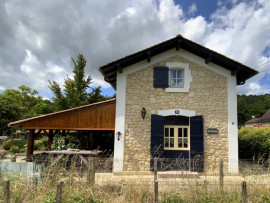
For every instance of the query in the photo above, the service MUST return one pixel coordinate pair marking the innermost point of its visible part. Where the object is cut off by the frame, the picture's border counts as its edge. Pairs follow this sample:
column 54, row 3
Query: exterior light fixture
column 118, row 134
column 143, row 112
column 239, row 125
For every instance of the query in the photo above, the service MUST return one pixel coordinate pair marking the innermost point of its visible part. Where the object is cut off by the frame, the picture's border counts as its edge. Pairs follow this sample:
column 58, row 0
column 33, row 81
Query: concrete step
column 178, row 174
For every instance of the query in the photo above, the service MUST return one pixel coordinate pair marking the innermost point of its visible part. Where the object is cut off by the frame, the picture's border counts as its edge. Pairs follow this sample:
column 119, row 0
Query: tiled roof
column 253, row 120
column 264, row 119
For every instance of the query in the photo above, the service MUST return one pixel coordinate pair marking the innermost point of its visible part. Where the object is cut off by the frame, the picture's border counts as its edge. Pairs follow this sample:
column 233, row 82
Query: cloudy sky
column 37, row 38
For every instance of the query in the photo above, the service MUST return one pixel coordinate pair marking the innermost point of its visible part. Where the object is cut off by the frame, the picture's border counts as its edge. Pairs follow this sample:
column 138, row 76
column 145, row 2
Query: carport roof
column 96, row 116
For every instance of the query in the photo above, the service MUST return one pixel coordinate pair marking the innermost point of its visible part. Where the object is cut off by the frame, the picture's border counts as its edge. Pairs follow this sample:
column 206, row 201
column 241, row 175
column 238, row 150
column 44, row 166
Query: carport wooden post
column 87, row 141
column 50, row 140
column 30, row 145
column 81, row 141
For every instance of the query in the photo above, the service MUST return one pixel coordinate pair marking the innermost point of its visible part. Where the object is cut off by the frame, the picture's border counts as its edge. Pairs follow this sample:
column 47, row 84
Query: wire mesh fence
column 78, row 176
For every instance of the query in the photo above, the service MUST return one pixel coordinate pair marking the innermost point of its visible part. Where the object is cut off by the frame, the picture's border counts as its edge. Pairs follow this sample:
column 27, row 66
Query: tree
column 77, row 90
column 21, row 103
column 252, row 105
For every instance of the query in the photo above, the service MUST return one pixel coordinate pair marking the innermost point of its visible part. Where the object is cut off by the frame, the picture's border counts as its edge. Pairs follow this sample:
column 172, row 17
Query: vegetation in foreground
column 77, row 189
column 254, row 143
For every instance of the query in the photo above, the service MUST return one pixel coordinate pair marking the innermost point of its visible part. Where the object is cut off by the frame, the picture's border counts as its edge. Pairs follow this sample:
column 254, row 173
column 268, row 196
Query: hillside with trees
column 252, row 105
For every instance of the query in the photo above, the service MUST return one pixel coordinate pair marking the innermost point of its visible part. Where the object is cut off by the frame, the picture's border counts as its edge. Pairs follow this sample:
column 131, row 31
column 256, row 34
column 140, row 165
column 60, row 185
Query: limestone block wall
column 207, row 96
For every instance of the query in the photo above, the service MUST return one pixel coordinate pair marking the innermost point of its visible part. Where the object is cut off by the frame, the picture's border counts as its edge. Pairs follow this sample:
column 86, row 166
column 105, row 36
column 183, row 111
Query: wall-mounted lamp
column 143, row 112
column 118, row 134
column 239, row 125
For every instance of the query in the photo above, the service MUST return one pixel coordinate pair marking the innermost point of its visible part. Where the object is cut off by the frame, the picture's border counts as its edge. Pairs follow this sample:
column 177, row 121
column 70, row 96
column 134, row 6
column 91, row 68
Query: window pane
column 179, row 74
column 171, row 142
column 185, row 132
column 173, row 82
column 180, row 134
column 166, row 144
column 179, row 82
column 180, row 142
column 173, row 73
column 166, row 132
column 185, row 143
column 171, row 132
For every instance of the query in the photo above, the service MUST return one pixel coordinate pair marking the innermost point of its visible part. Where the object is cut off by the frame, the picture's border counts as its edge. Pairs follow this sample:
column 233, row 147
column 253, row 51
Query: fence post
column 6, row 191
column 155, row 180
column 244, row 191
column 91, row 170
column 221, row 173
column 59, row 192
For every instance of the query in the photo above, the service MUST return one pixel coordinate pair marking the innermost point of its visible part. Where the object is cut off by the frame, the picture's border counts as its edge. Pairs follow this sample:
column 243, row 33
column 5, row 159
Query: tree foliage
column 16, row 104
column 77, row 90
column 252, row 105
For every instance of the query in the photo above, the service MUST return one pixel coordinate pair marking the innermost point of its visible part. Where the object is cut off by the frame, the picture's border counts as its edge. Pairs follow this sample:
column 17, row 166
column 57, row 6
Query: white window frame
column 170, row 78
column 175, row 137
column 187, row 78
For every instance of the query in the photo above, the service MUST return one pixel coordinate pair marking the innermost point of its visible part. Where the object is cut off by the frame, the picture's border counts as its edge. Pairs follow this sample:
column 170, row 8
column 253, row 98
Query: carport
column 89, row 121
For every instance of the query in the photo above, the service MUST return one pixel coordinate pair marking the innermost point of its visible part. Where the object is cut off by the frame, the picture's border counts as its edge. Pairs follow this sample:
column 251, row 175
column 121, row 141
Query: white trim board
column 182, row 112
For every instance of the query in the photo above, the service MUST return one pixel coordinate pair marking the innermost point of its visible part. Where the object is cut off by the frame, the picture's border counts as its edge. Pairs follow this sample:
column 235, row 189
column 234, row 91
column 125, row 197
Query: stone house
column 261, row 122
column 176, row 99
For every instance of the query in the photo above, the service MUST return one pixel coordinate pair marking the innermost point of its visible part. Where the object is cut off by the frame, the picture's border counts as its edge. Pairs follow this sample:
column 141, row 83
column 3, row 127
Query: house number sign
column 212, row 131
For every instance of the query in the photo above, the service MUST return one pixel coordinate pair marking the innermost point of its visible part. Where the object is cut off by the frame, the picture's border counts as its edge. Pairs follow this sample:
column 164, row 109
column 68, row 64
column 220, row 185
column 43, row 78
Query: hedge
column 254, row 143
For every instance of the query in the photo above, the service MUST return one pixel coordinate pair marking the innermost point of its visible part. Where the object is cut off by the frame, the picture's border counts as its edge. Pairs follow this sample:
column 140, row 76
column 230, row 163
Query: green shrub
column 14, row 149
column 41, row 144
column 7, row 144
column 172, row 198
column 61, row 142
column 254, row 142
column 19, row 142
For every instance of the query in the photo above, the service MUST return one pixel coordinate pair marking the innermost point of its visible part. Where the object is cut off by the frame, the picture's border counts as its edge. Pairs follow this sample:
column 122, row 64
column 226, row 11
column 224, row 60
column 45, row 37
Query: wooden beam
column 178, row 44
column 30, row 145
column 235, row 71
column 87, row 141
column 45, row 132
column 148, row 56
column 119, row 68
column 50, row 139
column 209, row 58
column 81, row 141
column 111, row 79
column 92, row 140
column 55, row 132
column 39, row 131
column 79, row 128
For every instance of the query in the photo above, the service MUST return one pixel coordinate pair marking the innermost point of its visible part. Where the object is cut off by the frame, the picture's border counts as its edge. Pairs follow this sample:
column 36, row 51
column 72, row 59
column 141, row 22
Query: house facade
column 189, row 95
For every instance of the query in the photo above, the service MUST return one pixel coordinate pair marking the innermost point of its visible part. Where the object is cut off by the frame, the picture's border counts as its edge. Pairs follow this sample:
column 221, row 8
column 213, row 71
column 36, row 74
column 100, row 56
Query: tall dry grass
column 76, row 188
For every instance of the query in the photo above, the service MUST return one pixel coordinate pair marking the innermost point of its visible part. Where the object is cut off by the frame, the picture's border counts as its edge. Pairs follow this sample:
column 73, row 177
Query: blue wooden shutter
column 196, row 143
column 157, row 135
column 161, row 77
column 157, row 139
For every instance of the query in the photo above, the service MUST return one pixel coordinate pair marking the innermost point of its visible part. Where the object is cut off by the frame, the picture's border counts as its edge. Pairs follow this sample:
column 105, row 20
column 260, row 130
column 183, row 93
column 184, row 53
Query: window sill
column 176, row 89
column 181, row 149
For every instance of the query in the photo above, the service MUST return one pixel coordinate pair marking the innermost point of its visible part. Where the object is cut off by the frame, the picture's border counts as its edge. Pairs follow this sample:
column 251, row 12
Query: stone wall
column 207, row 96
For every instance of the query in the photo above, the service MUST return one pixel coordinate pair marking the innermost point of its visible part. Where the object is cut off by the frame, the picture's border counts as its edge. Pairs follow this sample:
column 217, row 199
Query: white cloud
column 192, row 9
column 107, row 30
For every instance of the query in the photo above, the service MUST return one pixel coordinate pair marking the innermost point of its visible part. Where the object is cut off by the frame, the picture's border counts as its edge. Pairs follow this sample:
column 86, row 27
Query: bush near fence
column 254, row 143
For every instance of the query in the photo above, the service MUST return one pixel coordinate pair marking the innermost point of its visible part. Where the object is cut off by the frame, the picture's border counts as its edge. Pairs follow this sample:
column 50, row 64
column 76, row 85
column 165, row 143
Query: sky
column 38, row 38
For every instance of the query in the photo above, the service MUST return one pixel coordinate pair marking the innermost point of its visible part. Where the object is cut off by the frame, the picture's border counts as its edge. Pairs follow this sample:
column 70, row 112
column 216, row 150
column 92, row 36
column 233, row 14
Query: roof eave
column 242, row 72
